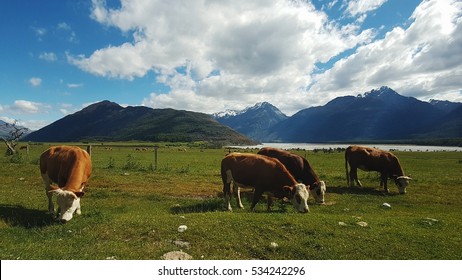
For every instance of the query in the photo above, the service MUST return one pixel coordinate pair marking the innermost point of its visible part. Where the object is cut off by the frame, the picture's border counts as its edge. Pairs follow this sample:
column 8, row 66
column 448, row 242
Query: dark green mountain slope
column 108, row 121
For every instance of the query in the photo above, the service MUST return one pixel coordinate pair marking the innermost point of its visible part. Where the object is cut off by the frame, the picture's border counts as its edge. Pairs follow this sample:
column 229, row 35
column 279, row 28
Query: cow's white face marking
column 68, row 203
column 402, row 182
column 318, row 191
column 300, row 199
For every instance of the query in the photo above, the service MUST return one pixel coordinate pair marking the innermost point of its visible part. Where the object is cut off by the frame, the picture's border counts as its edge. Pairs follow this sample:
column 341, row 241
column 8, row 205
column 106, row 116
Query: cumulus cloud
column 35, row 82
column 422, row 60
column 213, row 55
column 27, row 107
column 241, row 48
column 361, row 7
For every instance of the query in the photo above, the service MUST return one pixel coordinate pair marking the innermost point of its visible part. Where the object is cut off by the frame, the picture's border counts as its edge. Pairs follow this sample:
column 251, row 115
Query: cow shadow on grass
column 206, row 205
column 217, row 204
column 18, row 216
column 359, row 191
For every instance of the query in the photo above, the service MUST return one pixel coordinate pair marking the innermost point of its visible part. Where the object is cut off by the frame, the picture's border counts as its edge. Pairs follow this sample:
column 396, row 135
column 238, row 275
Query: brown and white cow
column 70, row 168
column 371, row 159
column 265, row 175
column 300, row 168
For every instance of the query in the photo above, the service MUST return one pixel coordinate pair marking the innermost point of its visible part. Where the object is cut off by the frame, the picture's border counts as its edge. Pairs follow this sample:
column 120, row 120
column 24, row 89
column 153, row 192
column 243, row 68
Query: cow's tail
column 346, row 168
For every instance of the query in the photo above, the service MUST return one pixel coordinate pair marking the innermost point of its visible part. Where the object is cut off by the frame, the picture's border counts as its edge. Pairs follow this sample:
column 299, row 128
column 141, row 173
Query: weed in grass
column 131, row 163
column 111, row 163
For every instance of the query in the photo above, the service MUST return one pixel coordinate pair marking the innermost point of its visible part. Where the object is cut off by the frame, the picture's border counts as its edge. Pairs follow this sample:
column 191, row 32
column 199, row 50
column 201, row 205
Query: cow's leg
column 227, row 195
column 78, row 211
column 354, row 177
column 47, row 182
column 383, row 181
column 227, row 189
column 256, row 197
column 270, row 202
column 237, row 191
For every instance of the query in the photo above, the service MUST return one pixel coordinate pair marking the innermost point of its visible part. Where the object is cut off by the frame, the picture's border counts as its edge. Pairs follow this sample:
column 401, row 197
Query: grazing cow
column 300, row 169
column 371, row 159
column 70, row 168
column 264, row 174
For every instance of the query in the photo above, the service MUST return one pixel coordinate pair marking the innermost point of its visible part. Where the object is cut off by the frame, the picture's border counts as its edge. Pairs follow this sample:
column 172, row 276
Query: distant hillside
column 449, row 126
column 108, row 121
column 254, row 121
column 381, row 114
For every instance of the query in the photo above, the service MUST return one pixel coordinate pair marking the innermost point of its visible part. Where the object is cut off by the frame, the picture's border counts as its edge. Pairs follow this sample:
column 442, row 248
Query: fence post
column 155, row 157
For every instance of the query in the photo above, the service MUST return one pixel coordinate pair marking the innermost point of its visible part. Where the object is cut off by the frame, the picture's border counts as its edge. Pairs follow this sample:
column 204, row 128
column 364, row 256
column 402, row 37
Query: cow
column 265, row 175
column 70, row 168
column 371, row 159
column 300, row 168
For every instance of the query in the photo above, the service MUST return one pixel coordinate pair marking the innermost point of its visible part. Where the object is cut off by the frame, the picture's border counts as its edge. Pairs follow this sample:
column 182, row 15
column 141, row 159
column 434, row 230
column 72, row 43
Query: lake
column 386, row 147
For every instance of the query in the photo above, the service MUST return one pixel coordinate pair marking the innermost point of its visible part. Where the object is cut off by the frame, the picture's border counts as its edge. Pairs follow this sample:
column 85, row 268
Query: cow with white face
column 300, row 168
column 70, row 168
column 264, row 175
column 372, row 159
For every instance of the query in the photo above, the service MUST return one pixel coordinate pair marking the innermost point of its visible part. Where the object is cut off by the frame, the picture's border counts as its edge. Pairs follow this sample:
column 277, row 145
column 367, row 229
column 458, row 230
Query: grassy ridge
column 132, row 210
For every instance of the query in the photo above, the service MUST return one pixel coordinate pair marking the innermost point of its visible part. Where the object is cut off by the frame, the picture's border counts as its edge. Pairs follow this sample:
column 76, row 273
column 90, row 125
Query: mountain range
column 380, row 114
column 108, row 121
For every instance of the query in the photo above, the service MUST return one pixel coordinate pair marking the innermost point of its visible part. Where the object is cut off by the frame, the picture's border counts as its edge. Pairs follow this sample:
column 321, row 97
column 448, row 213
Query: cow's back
column 298, row 166
column 63, row 162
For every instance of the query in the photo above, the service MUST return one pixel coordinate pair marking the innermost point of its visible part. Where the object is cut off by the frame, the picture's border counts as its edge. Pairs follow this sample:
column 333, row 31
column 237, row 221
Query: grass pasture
column 132, row 210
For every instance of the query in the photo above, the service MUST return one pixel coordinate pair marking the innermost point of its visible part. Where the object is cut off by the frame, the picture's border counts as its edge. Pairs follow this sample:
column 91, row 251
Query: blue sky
column 59, row 56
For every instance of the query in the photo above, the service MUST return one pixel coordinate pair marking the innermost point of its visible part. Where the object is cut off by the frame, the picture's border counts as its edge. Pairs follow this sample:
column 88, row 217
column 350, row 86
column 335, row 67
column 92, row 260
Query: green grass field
column 132, row 209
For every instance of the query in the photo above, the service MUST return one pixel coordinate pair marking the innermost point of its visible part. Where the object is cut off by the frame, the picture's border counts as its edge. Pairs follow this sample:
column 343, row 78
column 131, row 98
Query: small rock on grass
column 176, row 255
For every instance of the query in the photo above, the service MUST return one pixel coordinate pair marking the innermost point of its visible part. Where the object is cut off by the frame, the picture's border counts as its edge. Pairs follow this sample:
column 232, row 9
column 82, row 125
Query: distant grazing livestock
column 371, row 159
column 265, row 175
column 70, row 168
column 300, row 169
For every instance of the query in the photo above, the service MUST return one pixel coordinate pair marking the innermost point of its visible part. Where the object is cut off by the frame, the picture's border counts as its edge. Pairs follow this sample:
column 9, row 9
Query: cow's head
column 68, row 203
column 299, row 195
column 402, row 182
column 318, row 190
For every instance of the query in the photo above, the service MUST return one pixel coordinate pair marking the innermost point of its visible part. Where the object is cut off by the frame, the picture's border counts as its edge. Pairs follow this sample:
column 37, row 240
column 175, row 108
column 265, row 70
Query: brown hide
column 67, row 166
column 297, row 165
column 371, row 159
column 263, row 173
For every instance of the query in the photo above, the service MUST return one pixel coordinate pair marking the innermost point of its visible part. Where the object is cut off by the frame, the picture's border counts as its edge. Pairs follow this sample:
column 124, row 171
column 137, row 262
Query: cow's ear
column 54, row 188
column 79, row 194
column 288, row 191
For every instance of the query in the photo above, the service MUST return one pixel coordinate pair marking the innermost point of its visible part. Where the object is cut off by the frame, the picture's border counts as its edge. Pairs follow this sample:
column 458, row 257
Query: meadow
column 132, row 210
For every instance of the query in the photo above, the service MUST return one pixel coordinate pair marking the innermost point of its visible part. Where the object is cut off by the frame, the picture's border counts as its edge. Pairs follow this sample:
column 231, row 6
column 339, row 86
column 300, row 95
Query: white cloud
column 48, row 56
column 7, row 119
column 73, row 85
column 64, row 26
column 39, row 32
column 35, row 82
column 28, row 107
column 423, row 60
column 361, row 7
column 231, row 50
column 214, row 55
